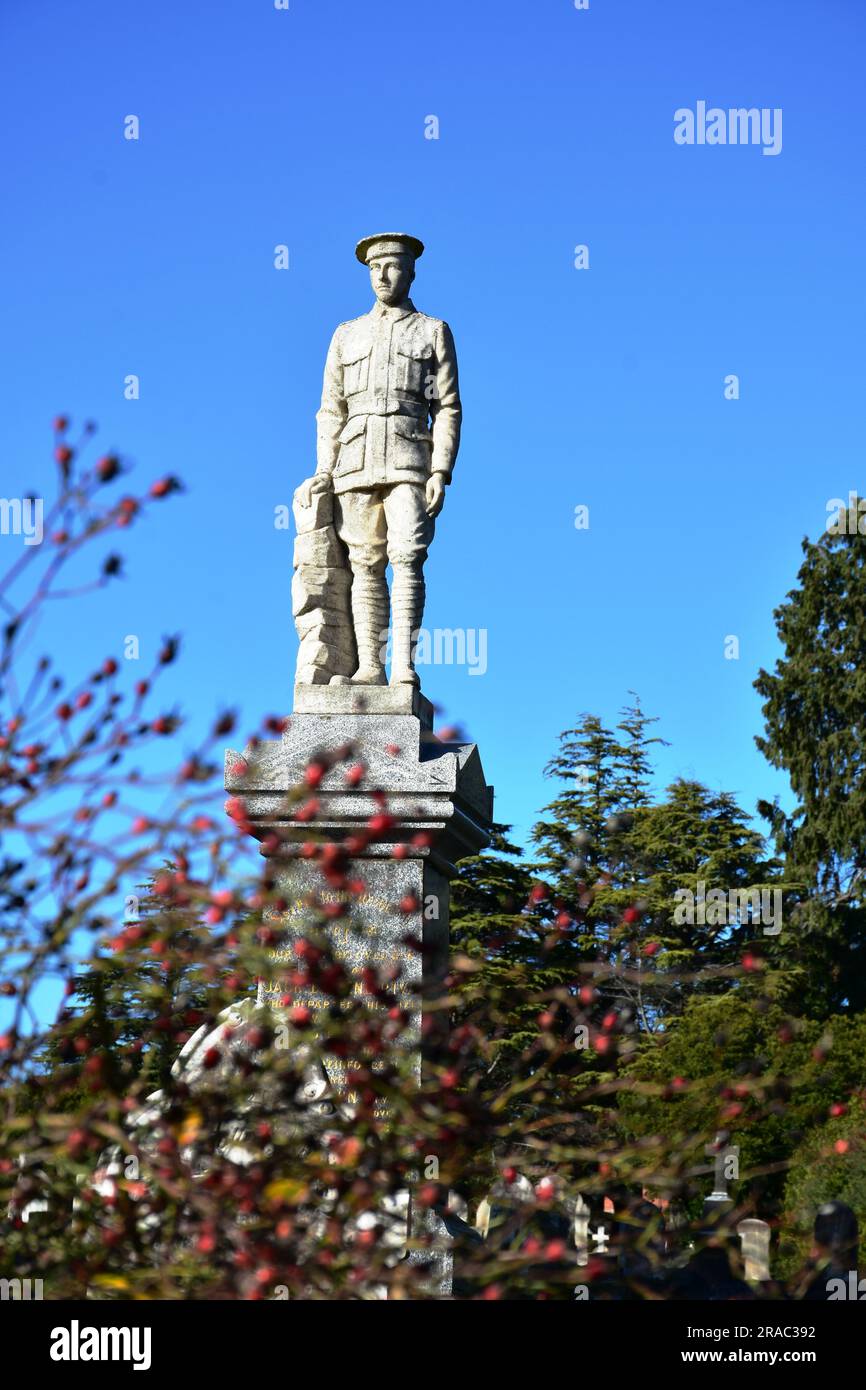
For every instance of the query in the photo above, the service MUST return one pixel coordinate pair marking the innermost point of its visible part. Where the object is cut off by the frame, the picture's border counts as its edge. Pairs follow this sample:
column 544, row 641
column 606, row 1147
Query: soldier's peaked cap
column 389, row 243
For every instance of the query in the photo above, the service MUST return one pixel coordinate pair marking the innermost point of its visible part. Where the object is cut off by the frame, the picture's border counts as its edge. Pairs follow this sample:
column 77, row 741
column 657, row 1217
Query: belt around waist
column 398, row 409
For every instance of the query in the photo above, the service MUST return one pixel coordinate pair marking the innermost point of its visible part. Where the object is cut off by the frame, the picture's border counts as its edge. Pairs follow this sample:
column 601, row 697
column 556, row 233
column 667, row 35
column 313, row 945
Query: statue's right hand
column 320, row 482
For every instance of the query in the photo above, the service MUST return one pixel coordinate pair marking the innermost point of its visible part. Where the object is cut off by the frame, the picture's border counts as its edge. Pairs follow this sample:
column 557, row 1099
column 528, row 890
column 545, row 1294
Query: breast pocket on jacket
column 356, row 371
column 414, row 365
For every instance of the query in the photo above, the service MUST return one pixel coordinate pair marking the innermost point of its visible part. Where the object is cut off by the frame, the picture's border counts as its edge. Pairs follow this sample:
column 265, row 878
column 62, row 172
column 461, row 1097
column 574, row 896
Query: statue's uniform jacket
column 390, row 408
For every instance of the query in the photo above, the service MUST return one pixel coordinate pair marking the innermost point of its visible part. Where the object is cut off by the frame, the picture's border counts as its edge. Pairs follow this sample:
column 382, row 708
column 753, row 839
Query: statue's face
column 391, row 277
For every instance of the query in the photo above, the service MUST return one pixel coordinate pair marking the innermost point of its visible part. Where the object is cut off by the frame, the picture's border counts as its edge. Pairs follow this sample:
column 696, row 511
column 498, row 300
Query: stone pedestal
column 437, row 808
column 434, row 794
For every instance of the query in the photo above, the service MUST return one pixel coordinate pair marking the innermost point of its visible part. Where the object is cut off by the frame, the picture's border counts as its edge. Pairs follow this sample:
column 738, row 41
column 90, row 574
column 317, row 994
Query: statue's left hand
column 320, row 482
column 435, row 493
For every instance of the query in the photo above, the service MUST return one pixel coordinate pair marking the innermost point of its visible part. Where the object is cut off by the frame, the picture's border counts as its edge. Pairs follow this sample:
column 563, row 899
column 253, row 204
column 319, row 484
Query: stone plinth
column 363, row 699
column 439, row 808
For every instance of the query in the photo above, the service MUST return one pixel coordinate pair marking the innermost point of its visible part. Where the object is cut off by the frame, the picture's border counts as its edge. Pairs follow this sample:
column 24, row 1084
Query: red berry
column 76, row 1142
column 107, row 468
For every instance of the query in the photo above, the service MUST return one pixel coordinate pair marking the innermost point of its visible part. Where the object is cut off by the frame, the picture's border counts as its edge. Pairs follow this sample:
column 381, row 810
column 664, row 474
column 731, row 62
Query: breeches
column 384, row 524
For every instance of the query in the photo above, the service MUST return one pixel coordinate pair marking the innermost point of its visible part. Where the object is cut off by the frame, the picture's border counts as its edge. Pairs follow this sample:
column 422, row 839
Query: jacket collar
column 400, row 311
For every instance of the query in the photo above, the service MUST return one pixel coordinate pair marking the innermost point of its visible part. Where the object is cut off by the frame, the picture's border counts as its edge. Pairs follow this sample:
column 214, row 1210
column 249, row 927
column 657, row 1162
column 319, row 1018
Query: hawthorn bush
column 164, row 1136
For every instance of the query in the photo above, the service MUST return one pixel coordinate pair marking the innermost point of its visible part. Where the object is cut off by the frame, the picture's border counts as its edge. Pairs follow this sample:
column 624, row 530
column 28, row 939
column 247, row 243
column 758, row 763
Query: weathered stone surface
column 365, row 699
column 314, row 675
column 322, row 619
column 329, row 634
column 313, row 517
column 315, row 587
column 387, row 436
column 429, row 786
column 320, row 594
column 319, row 548
column 315, row 652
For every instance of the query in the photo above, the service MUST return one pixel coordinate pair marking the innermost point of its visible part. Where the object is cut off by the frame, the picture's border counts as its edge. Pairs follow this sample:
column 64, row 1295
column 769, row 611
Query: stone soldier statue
column 388, row 434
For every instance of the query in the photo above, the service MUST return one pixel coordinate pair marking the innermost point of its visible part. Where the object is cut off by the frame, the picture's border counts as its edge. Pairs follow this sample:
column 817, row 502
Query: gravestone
column 582, row 1215
column 726, row 1158
column 755, row 1248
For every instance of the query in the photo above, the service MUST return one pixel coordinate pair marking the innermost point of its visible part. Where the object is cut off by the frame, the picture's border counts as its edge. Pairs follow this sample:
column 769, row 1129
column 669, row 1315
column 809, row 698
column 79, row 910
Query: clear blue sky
column 602, row 387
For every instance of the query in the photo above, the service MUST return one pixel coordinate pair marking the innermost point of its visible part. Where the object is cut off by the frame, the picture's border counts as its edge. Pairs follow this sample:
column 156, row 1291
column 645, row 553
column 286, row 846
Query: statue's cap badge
column 389, row 244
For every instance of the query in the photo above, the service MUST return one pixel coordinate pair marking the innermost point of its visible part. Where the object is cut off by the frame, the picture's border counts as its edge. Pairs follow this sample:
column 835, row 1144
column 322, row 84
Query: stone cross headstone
column 599, row 1238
